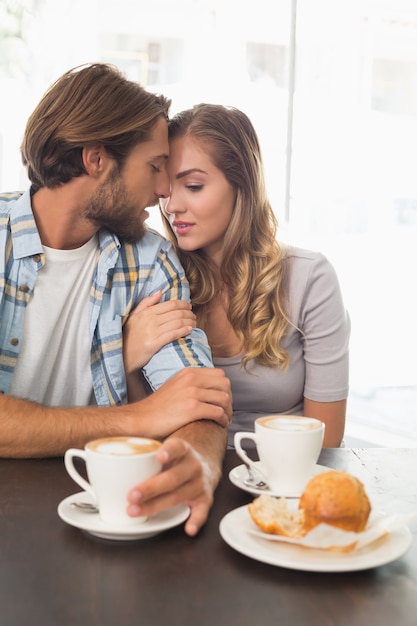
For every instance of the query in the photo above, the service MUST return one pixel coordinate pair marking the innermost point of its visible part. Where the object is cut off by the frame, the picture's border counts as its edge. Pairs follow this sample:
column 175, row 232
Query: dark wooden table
column 52, row 574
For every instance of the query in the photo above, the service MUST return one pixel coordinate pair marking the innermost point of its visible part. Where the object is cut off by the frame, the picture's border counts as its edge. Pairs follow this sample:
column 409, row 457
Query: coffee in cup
column 115, row 465
column 123, row 445
column 288, row 447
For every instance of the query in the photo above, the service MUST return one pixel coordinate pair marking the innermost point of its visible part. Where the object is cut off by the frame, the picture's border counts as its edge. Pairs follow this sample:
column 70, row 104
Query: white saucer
column 92, row 523
column 235, row 529
column 238, row 474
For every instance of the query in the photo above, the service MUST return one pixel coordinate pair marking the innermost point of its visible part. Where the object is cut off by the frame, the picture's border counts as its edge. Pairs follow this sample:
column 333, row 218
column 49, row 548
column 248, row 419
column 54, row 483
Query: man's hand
column 185, row 478
column 193, row 394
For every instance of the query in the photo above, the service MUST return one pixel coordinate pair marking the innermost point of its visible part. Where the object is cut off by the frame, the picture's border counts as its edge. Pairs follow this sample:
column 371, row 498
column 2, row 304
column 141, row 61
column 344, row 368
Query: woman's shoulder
column 304, row 265
column 302, row 255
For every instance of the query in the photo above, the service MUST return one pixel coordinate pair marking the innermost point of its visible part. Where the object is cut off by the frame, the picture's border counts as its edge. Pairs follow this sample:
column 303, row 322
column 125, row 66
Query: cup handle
column 240, row 452
column 69, row 466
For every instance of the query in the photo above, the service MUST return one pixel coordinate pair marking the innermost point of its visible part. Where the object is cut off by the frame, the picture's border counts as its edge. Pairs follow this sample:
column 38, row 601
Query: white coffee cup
column 288, row 447
column 115, row 465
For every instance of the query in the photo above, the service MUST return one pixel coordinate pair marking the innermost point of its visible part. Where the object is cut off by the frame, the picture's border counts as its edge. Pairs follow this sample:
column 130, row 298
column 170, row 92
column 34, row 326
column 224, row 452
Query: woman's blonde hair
column 251, row 266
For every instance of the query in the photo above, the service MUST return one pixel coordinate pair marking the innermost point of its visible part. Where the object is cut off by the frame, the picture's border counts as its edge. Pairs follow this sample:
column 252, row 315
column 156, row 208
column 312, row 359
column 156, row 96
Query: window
column 331, row 87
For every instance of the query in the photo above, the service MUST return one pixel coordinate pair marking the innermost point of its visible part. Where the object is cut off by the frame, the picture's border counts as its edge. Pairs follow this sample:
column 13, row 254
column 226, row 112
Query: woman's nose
column 171, row 204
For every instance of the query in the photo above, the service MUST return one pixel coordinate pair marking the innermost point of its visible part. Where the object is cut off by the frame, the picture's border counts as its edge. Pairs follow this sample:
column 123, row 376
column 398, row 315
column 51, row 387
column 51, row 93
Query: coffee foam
column 290, row 424
column 124, row 446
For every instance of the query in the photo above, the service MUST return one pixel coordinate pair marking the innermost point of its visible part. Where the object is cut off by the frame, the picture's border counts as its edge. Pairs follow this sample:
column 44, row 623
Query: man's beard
column 110, row 207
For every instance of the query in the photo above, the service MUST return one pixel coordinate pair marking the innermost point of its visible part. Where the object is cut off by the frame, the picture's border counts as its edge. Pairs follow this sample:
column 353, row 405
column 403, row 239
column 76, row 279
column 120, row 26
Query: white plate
column 236, row 526
column 238, row 474
column 92, row 523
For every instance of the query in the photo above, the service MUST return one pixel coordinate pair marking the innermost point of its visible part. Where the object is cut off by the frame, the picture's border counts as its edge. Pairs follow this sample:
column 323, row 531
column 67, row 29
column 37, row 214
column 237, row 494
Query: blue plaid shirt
column 123, row 276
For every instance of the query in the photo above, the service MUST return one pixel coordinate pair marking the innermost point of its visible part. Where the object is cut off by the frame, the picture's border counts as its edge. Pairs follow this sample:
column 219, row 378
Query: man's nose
column 163, row 189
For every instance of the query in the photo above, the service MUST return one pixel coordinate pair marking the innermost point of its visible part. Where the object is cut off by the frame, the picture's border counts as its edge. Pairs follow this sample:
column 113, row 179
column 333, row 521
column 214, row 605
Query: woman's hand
column 151, row 325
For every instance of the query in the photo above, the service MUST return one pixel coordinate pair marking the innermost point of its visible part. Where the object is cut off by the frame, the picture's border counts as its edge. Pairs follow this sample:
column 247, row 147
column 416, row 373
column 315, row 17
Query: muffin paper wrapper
column 325, row 537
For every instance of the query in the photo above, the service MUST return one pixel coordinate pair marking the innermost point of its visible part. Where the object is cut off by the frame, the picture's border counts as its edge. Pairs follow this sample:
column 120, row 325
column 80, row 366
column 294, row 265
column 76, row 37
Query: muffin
column 335, row 498
column 272, row 516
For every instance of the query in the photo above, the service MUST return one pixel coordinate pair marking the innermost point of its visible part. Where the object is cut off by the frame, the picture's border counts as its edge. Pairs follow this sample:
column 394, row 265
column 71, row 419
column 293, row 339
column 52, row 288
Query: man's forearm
column 209, row 439
column 191, row 405
column 30, row 430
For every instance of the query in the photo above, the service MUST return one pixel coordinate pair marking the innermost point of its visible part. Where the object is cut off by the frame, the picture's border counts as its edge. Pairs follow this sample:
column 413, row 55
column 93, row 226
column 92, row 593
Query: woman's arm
column 152, row 325
column 333, row 414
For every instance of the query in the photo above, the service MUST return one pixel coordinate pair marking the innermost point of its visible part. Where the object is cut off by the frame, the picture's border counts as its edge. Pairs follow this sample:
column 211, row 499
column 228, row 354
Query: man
column 75, row 260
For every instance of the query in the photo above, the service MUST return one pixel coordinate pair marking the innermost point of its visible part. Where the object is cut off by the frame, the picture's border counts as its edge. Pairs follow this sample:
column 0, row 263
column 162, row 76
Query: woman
column 274, row 315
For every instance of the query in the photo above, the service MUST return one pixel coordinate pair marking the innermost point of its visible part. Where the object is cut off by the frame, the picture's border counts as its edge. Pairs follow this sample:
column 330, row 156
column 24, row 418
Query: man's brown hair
column 90, row 104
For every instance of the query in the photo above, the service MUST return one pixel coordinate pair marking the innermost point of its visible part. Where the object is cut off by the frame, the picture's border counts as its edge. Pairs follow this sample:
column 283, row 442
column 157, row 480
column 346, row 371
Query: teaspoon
column 87, row 507
column 250, row 481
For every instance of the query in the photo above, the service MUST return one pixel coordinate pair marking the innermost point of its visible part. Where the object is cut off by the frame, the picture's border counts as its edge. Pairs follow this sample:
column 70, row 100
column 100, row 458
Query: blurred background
column 331, row 87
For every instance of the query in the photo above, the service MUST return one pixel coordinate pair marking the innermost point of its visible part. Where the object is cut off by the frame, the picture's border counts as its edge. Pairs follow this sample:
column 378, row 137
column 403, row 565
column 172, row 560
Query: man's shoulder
column 10, row 195
column 151, row 249
column 8, row 198
column 8, row 202
column 154, row 236
column 152, row 241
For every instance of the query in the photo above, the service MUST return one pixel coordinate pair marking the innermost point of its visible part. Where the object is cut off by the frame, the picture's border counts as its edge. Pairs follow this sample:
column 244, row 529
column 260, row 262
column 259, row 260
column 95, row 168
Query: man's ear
column 94, row 159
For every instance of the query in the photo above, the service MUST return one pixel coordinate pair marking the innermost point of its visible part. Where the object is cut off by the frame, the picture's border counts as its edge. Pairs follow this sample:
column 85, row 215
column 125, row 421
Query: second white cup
column 114, row 466
column 288, row 447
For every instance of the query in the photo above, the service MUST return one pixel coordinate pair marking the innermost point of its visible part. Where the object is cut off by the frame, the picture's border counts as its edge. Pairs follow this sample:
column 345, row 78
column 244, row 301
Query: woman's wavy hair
column 251, row 266
column 87, row 105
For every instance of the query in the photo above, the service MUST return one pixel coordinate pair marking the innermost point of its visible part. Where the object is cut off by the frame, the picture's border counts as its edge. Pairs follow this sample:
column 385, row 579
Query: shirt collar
column 26, row 240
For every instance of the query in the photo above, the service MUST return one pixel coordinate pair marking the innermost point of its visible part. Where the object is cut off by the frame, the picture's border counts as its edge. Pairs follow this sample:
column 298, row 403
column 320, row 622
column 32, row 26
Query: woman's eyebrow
column 190, row 171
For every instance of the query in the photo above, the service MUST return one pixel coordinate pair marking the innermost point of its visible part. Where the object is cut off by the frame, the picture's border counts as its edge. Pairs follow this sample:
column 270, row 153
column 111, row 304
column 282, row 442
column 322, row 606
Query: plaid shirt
column 123, row 276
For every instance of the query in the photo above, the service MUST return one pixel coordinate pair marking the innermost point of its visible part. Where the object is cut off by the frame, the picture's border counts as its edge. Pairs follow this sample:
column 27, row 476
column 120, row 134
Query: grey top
column 319, row 358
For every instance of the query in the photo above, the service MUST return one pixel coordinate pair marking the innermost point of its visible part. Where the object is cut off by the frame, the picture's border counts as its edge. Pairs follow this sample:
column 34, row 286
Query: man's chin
column 133, row 235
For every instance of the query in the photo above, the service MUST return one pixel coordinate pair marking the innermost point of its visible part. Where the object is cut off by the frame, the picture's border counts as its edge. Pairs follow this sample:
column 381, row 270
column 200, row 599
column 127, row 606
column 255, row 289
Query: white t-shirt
column 53, row 367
